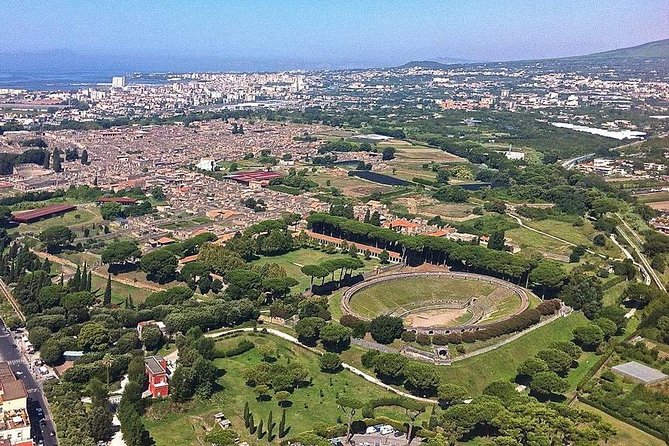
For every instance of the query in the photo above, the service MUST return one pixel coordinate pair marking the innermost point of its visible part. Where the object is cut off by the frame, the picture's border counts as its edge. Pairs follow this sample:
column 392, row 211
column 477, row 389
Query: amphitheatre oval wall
column 444, row 315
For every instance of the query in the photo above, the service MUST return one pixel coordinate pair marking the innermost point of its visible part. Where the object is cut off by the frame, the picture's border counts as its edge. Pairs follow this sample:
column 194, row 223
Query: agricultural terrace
column 436, row 299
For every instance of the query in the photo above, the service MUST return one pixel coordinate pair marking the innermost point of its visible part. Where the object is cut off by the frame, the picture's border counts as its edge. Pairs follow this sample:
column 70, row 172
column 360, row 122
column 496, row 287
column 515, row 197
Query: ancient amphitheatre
column 436, row 301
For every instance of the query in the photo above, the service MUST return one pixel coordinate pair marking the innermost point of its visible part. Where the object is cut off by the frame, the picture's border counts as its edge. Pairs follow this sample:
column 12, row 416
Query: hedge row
column 242, row 347
column 629, row 421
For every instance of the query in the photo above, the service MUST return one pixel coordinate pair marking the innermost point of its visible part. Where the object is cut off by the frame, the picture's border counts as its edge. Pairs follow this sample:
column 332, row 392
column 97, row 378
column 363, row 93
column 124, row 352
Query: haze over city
column 265, row 34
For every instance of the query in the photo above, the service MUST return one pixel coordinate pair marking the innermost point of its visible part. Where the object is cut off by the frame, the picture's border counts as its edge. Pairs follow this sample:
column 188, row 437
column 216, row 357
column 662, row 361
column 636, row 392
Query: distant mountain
column 658, row 49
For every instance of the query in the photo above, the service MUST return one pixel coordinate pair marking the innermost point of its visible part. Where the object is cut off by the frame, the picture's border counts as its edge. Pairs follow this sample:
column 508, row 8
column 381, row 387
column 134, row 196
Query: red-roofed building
column 441, row 232
column 403, row 225
column 40, row 213
column 262, row 177
column 156, row 371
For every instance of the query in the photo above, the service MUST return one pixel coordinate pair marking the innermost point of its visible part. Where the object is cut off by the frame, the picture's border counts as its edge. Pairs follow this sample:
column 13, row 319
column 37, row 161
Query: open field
column 626, row 435
column 402, row 294
column 120, row 291
column 349, row 186
column 531, row 242
column 74, row 219
column 501, row 364
column 293, row 261
column 654, row 198
column 579, row 235
column 308, row 406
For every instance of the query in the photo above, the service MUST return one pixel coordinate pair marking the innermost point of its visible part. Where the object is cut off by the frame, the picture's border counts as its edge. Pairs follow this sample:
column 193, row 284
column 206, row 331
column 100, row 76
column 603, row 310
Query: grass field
column 170, row 428
column 394, row 295
column 531, row 242
column 294, row 260
column 73, row 220
column 579, row 235
column 121, row 291
column 501, row 364
column 626, row 435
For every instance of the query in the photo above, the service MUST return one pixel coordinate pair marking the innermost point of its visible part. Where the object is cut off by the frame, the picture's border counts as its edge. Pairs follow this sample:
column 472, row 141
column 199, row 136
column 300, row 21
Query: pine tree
column 108, row 292
column 282, row 424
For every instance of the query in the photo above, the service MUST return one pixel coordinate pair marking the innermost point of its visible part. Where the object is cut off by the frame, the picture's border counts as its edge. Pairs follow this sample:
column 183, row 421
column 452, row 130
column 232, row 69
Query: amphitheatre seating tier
column 477, row 306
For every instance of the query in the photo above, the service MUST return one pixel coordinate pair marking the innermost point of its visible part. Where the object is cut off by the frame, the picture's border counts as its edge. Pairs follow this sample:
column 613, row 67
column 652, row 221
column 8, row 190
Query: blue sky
column 366, row 31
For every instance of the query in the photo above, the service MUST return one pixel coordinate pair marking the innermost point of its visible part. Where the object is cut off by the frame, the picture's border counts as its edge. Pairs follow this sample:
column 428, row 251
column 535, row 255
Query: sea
column 65, row 81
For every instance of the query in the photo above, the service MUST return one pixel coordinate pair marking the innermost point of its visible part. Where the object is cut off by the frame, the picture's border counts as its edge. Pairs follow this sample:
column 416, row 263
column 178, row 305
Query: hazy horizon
column 313, row 35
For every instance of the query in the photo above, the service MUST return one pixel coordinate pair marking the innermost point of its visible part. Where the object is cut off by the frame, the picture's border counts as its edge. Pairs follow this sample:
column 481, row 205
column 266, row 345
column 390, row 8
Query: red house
column 156, row 370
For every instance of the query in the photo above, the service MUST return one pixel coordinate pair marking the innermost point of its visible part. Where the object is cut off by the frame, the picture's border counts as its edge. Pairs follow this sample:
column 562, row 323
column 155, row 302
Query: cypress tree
column 282, row 424
column 260, row 430
column 83, row 285
column 108, row 292
column 90, row 281
column 56, row 161
column 246, row 414
column 75, row 282
column 252, row 425
column 46, row 162
column 270, row 426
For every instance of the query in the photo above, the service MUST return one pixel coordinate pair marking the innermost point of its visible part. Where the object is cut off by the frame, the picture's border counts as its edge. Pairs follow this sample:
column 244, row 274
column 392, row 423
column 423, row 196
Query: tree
column 496, row 241
column 282, row 424
column 182, row 384
column 243, row 284
column 421, row 379
column 267, row 351
column 609, row 328
column 159, row 266
column 548, row 383
column 100, row 423
column 106, row 300
column 640, row 293
column 111, row 211
column 556, row 360
column 308, row 329
column 56, row 238
column 442, row 176
column 330, row 362
column 152, row 337
column 548, row 276
column 385, row 329
column 349, row 405
column 84, row 157
column 449, row 394
column 390, row 367
column 532, row 366
column 451, row 194
column 583, row 292
column 5, row 215
column 51, row 352
column 221, row 437
column 375, row 219
column 388, row 153
column 588, row 336
column 335, row 337
column 93, row 336
column 56, row 162
column 121, row 252
column 383, row 257
column 282, row 397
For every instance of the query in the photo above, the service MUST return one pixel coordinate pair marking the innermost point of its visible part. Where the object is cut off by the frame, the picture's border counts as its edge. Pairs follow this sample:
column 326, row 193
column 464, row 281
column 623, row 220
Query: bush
column 408, row 336
column 368, row 358
column 439, row 339
column 385, row 329
column 423, row 339
column 548, row 307
column 242, row 347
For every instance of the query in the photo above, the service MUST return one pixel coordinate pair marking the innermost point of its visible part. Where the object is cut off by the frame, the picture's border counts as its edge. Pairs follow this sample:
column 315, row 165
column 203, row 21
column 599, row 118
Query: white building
column 206, row 164
column 118, row 81
column 14, row 420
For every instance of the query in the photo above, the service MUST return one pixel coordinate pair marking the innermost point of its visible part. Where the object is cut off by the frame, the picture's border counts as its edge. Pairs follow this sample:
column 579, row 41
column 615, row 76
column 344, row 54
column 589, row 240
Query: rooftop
column 153, row 363
column 27, row 216
column 639, row 372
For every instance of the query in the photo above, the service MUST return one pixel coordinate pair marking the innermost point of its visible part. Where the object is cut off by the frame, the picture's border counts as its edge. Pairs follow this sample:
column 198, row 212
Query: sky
column 335, row 32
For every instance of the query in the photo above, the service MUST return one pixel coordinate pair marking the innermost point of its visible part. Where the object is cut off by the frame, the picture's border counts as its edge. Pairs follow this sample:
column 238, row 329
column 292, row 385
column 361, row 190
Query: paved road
column 36, row 398
column 642, row 258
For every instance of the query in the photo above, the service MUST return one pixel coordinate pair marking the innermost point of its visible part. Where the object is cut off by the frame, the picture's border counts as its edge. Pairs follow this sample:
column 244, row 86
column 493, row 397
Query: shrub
column 549, row 307
column 368, row 358
column 408, row 336
column 439, row 339
column 423, row 339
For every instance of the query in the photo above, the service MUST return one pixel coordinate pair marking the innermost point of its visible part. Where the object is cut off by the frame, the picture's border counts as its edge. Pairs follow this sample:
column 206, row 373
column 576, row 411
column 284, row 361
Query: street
column 10, row 353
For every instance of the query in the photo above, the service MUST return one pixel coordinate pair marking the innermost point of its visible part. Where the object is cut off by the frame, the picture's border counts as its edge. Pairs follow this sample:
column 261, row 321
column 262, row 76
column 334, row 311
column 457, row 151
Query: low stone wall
column 476, row 309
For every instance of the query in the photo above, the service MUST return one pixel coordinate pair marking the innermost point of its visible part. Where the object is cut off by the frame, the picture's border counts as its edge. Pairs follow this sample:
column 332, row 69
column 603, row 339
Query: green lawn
column 120, row 291
column 170, row 428
column 531, row 242
column 477, row 372
column 393, row 295
column 294, row 260
column 73, row 220
column 579, row 235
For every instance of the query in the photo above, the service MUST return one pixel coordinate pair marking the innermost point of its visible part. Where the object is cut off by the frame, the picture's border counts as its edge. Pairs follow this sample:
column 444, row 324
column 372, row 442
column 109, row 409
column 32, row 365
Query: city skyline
column 333, row 35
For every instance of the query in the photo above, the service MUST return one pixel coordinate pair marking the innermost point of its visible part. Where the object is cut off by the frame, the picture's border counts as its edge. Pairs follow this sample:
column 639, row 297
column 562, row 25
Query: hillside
column 658, row 49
